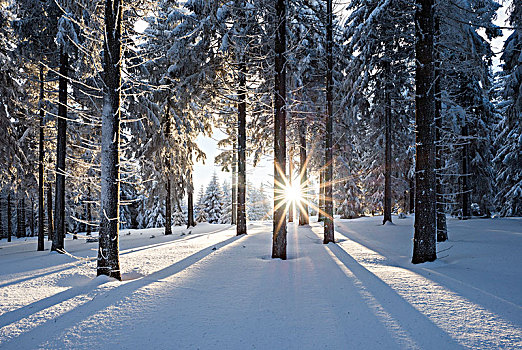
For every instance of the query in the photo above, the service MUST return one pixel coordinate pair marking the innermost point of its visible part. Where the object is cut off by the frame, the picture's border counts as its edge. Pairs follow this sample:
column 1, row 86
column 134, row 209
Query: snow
column 211, row 289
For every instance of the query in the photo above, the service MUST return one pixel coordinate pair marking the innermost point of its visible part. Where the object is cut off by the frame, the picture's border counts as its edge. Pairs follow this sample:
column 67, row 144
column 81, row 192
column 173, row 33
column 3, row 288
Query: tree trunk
column 50, row 221
column 234, row 183
column 9, row 218
column 328, row 152
column 88, row 215
column 241, row 227
column 108, row 253
column 465, row 162
column 303, row 176
column 41, row 154
column 190, row 201
column 290, row 183
column 442, row 230
column 320, row 212
column 424, row 239
column 18, row 217
column 31, row 217
column 1, row 220
column 412, row 195
column 59, row 236
column 190, row 209
column 387, row 148
column 23, row 221
column 168, row 209
column 279, row 219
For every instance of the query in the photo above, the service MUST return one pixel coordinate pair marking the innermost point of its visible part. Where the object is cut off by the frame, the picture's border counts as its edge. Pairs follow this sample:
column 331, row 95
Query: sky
column 498, row 43
column 262, row 173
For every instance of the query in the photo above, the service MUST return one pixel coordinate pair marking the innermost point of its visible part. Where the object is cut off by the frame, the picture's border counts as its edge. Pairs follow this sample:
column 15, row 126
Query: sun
column 293, row 193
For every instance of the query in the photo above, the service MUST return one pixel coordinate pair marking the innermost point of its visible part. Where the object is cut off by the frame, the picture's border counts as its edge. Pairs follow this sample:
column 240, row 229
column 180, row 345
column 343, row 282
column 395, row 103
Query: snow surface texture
column 212, row 290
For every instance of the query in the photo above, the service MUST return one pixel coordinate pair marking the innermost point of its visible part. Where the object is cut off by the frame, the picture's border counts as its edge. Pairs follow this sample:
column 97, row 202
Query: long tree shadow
column 97, row 300
column 415, row 323
column 466, row 322
column 478, row 296
column 74, row 264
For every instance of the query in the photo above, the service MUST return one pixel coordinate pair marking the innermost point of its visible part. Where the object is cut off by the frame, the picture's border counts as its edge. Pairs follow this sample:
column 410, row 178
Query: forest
column 385, row 107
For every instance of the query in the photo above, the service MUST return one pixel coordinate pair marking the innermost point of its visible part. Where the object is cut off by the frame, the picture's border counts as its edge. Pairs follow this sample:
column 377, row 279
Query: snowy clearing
column 212, row 290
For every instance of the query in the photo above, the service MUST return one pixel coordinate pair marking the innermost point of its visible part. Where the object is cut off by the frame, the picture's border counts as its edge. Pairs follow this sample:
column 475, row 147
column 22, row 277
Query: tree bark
column 168, row 208
column 279, row 218
column 328, row 152
column 424, row 239
column 412, row 195
column 50, row 221
column 241, row 227
column 108, row 253
column 442, row 230
column 303, row 176
column 19, row 217
column 23, row 221
column 387, row 148
column 59, row 236
column 190, row 201
column 41, row 155
column 2, row 229
column 9, row 218
column 88, row 215
column 464, row 176
column 320, row 212
column 31, row 217
column 234, row 183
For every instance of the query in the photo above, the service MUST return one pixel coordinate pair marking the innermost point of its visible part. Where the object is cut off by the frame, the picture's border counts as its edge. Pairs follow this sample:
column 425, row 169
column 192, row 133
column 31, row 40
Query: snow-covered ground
column 212, row 290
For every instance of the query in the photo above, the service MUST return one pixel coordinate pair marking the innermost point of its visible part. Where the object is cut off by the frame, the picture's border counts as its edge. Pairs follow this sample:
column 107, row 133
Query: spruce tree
column 279, row 220
column 424, row 244
column 108, row 253
column 508, row 158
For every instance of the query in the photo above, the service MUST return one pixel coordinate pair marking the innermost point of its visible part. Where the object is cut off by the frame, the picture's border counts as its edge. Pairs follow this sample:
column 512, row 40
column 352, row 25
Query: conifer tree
column 424, row 245
column 508, row 158
column 108, row 253
column 213, row 201
column 279, row 220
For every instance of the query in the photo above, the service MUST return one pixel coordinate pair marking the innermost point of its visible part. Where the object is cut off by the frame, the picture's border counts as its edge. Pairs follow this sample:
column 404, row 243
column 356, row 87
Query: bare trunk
column 442, row 230
column 320, row 214
column 168, row 208
column 234, row 183
column 108, row 253
column 18, row 217
column 303, row 176
column 88, row 215
column 424, row 239
column 9, row 218
column 23, row 221
column 241, row 227
column 59, row 236
column 50, row 221
column 328, row 152
column 279, row 219
column 41, row 155
column 190, row 210
column 387, row 149
column 190, row 201
column 412, row 195
column 464, row 176
column 1, row 220
column 31, row 217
